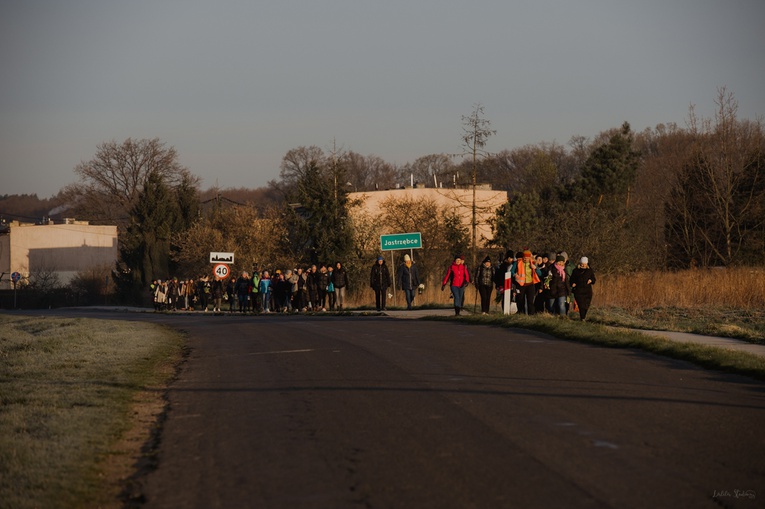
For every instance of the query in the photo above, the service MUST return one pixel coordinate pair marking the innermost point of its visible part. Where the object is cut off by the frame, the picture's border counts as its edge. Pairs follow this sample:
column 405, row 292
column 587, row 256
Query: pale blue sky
column 233, row 85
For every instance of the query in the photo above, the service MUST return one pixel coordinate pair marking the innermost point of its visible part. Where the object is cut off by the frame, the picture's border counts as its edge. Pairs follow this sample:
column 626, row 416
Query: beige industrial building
column 63, row 249
column 460, row 200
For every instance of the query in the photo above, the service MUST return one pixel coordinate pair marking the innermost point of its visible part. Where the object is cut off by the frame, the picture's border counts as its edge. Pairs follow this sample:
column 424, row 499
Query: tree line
column 666, row 197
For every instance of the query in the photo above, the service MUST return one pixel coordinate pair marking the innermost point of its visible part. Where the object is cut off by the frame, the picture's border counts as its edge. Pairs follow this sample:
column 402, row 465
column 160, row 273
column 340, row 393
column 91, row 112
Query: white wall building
column 460, row 200
column 64, row 249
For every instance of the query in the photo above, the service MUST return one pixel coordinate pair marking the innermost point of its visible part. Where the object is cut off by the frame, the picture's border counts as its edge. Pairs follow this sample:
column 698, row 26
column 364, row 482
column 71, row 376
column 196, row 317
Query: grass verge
column 70, row 391
column 603, row 335
column 721, row 321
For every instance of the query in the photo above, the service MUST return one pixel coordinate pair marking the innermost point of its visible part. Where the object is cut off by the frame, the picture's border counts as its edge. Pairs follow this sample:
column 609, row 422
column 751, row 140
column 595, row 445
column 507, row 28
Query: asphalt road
column 294, row 412
column 336, row 412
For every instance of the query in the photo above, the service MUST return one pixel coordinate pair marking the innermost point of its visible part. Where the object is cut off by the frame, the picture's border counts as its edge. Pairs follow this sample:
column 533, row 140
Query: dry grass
column 715, row 302
column 742, row 288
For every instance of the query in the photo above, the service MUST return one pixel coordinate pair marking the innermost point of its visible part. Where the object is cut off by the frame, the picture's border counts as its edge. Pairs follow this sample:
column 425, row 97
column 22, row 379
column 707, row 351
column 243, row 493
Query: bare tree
column 729, row 161
column 296, row 163
column 433, row 169
column 111, row 182
column 367, row 173
column 476, row 131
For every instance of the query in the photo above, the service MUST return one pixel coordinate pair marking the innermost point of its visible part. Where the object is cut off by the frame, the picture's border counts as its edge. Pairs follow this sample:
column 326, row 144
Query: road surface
column 374, row 412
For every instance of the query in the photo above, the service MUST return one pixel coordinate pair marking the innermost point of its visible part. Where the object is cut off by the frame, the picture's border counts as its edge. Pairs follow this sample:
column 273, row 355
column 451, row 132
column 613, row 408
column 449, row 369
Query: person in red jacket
column 458, row 277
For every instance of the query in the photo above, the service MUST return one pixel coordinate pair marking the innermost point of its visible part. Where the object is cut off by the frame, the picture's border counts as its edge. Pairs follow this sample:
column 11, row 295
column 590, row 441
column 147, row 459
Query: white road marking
column 283, row 351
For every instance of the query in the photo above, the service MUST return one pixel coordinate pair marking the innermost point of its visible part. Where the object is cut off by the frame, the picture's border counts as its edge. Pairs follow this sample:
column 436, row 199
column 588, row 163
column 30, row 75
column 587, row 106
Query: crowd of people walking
column 540, row 283
column 537, row 283
column 316, row 288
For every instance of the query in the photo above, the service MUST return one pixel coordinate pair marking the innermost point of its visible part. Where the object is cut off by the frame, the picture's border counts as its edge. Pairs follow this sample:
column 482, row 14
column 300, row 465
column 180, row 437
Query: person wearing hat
column 582, row 279
column 458, row 277
column 485, row 275
column 379, row 280
column 504, row 266
column 559, row 287
column 526, row 278
column 322, row 285
column 545, row 275
column 408, row 279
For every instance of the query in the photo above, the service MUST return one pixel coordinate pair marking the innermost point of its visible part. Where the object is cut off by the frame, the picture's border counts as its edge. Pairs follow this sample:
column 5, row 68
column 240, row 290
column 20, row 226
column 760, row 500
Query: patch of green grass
column 722, row 321
column 604, row 335
column 66, row 388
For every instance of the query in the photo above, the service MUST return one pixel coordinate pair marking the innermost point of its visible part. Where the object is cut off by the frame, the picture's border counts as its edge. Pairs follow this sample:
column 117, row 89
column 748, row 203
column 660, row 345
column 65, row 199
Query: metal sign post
column 15, row 277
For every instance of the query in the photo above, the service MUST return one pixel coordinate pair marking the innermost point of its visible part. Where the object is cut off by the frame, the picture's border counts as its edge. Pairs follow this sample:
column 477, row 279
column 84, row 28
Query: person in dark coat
column 559, row 287
column 322, row 283
column 340, row 281
column 379, row 280
column 217, row 290
column 484, row 282
column 408, row 279
column 242, row 289
column 301, row 293
column 582, row 279
column 312, row 285
column 504, row 267
column 231, row 293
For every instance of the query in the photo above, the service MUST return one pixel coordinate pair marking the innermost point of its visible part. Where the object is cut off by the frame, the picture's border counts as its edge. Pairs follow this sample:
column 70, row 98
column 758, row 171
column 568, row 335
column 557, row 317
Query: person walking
column 264, row 289
column 408, row 279
column 331, row 296
column 217, row 291
column 243, row 290
column 582, row 279
column 312, row 285
column 526, row 279
column 340, row 280
column 379, row 280
column 289, row 282
column 322, row 285
column 545, row 275
column 203, row 290
column 160, row 295
column 505, row 266
column 173, row 294
column 254, row 299
column 458, row 277
column 231, row 293
column 559, row 287
column 484, row 282
column 301, row 292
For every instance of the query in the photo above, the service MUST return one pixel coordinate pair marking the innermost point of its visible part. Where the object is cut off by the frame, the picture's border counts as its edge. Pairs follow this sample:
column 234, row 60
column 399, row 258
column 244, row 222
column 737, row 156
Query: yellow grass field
column 742, row 288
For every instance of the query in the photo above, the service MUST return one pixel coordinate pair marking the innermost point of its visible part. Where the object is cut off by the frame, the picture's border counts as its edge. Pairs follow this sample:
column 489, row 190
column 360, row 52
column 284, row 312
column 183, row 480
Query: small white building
column 64, row 249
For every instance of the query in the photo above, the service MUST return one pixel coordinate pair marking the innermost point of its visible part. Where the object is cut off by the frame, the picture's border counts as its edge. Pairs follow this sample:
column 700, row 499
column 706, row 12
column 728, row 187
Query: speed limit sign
column 221, row 270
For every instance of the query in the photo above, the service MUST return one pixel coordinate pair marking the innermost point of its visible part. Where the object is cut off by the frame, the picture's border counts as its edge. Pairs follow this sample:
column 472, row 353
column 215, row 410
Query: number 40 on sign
column 221, row 270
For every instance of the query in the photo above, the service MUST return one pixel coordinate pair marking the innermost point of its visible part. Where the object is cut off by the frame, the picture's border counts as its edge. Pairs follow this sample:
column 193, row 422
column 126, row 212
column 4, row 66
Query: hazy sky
column 233, row 85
